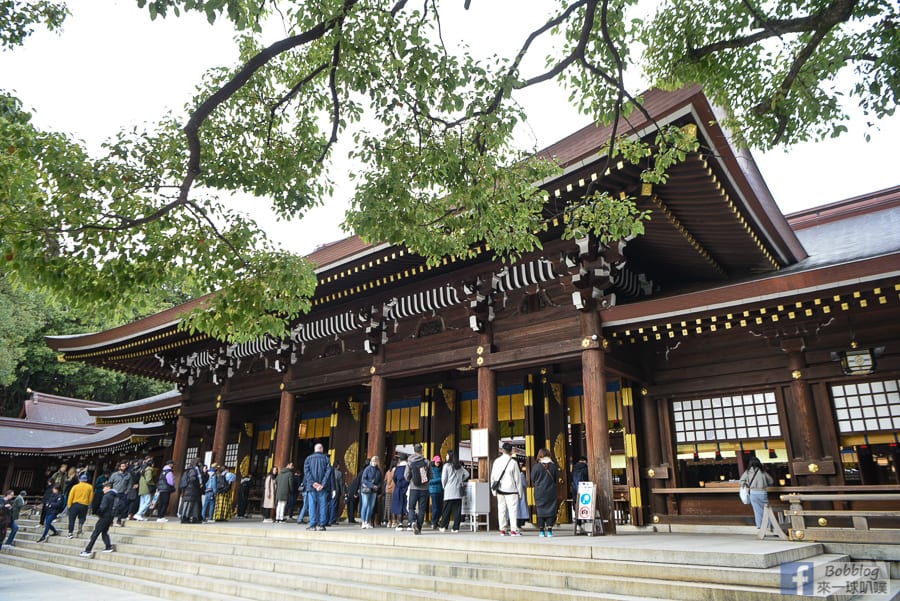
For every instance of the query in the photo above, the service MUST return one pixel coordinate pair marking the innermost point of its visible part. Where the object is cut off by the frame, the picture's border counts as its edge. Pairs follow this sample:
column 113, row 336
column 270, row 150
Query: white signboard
column 587, row 500
column 480, row 443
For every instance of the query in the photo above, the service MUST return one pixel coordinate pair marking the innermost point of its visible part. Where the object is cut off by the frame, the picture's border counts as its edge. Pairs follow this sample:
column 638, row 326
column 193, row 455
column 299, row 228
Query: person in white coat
column 505, row 478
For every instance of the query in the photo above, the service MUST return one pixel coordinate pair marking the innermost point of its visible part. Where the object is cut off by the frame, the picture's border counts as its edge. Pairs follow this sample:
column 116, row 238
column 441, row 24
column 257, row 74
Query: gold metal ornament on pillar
column 351, row 458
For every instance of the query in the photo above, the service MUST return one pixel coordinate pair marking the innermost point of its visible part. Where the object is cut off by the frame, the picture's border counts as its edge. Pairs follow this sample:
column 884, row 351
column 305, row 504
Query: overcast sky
column 113, row 67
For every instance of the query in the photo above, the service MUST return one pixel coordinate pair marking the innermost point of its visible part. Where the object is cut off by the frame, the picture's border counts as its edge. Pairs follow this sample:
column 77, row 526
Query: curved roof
column 713, row 222
column 56, row 425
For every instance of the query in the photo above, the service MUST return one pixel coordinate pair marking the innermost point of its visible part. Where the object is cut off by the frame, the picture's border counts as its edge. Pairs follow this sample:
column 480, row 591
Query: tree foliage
column 432, row 124
column 26, row 362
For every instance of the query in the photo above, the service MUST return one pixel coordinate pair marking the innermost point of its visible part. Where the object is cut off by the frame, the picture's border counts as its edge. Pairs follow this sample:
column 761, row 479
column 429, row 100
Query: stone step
column 487, row 568
column 219, row 583
column 660, row 548
column 656, row 548
column 307, row 550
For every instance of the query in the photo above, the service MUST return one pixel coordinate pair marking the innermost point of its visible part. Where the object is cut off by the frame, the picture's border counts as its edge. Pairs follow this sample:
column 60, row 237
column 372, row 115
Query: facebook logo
column 797, row 578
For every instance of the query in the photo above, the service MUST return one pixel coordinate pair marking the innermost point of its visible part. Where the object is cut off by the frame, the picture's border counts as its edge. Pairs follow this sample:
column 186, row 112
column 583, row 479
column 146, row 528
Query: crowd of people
column 407, row 495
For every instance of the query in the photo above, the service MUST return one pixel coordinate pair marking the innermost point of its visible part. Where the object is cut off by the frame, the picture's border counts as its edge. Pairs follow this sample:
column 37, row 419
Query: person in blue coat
column 370, row 484
column 436, row 492
column 318, row 480
column 399, row 510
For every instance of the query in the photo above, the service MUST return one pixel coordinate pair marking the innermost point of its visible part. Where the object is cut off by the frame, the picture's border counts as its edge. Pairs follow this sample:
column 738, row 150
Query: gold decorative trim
column 776, row 314
column 687, row 235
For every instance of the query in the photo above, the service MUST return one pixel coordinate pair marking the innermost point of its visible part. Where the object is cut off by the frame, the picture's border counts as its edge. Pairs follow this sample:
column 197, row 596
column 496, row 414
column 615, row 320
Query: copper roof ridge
column 864, row 203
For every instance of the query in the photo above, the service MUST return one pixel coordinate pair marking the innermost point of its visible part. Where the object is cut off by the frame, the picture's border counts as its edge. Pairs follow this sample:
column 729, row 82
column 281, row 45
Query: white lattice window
column 191, row 454
column 231, row 454
column 724, row 418
column 867, row 406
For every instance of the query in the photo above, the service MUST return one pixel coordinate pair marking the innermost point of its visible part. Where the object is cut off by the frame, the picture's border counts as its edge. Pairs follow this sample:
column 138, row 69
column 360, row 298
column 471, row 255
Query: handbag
column 744, row 493
column 366, row 490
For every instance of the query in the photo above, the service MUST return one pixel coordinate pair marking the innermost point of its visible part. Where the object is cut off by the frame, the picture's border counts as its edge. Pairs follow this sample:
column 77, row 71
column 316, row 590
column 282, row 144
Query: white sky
column 113, row 67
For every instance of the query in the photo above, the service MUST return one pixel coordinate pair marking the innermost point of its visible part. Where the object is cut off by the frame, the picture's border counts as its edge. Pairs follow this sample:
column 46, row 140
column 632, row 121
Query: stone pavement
column 28, row 585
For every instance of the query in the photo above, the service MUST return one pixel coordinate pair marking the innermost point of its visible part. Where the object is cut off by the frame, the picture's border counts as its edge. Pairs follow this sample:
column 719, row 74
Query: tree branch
column 291, row 94
column 192, row 128
column 335, row 101
column 839, row 11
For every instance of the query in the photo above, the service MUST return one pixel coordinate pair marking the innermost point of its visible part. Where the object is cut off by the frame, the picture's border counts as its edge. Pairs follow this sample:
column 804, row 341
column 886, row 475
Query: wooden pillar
column 804, row 429
column 651, row 436
column 220, row 436
column 802, row 424
column 488, row 418
column 179, row 456
column 378, row 418
column 285, row 434
column 10, row 470
column 596, row 420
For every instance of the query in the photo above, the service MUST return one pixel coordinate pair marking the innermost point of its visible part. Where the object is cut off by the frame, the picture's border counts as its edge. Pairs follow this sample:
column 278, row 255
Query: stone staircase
column 249, row 560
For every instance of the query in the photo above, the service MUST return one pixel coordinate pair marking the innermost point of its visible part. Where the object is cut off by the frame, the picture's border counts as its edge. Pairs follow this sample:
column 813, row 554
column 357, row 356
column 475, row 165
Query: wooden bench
column 858, row 518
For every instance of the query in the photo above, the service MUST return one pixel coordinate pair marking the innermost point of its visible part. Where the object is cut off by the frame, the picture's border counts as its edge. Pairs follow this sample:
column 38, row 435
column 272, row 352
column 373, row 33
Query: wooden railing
column 848, row 518
column 719, row 505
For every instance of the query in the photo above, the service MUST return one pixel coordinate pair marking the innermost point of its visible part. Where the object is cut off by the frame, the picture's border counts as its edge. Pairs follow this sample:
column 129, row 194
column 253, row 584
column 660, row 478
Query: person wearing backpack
column 418, row 473
column 191, row 494
column 165, row 486
column 105, row 514
column 224, row 509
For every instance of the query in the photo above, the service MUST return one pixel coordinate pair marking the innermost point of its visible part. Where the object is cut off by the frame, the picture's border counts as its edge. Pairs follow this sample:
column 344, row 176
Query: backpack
column 419, row 472
column 222, row 484
column 117, row 504
column 162, row 485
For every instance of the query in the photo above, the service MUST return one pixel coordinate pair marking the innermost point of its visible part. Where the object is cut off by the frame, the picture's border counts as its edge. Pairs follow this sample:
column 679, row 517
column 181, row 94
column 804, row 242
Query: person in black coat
column 544, row 476
column 53, row 506
column 106, row 512
column 352, row 500
column 579, row 475
column 190, row 487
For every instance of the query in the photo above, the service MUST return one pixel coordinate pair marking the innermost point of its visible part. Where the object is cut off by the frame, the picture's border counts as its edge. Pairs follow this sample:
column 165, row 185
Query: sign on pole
column 586, row 501
column 479, row 438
